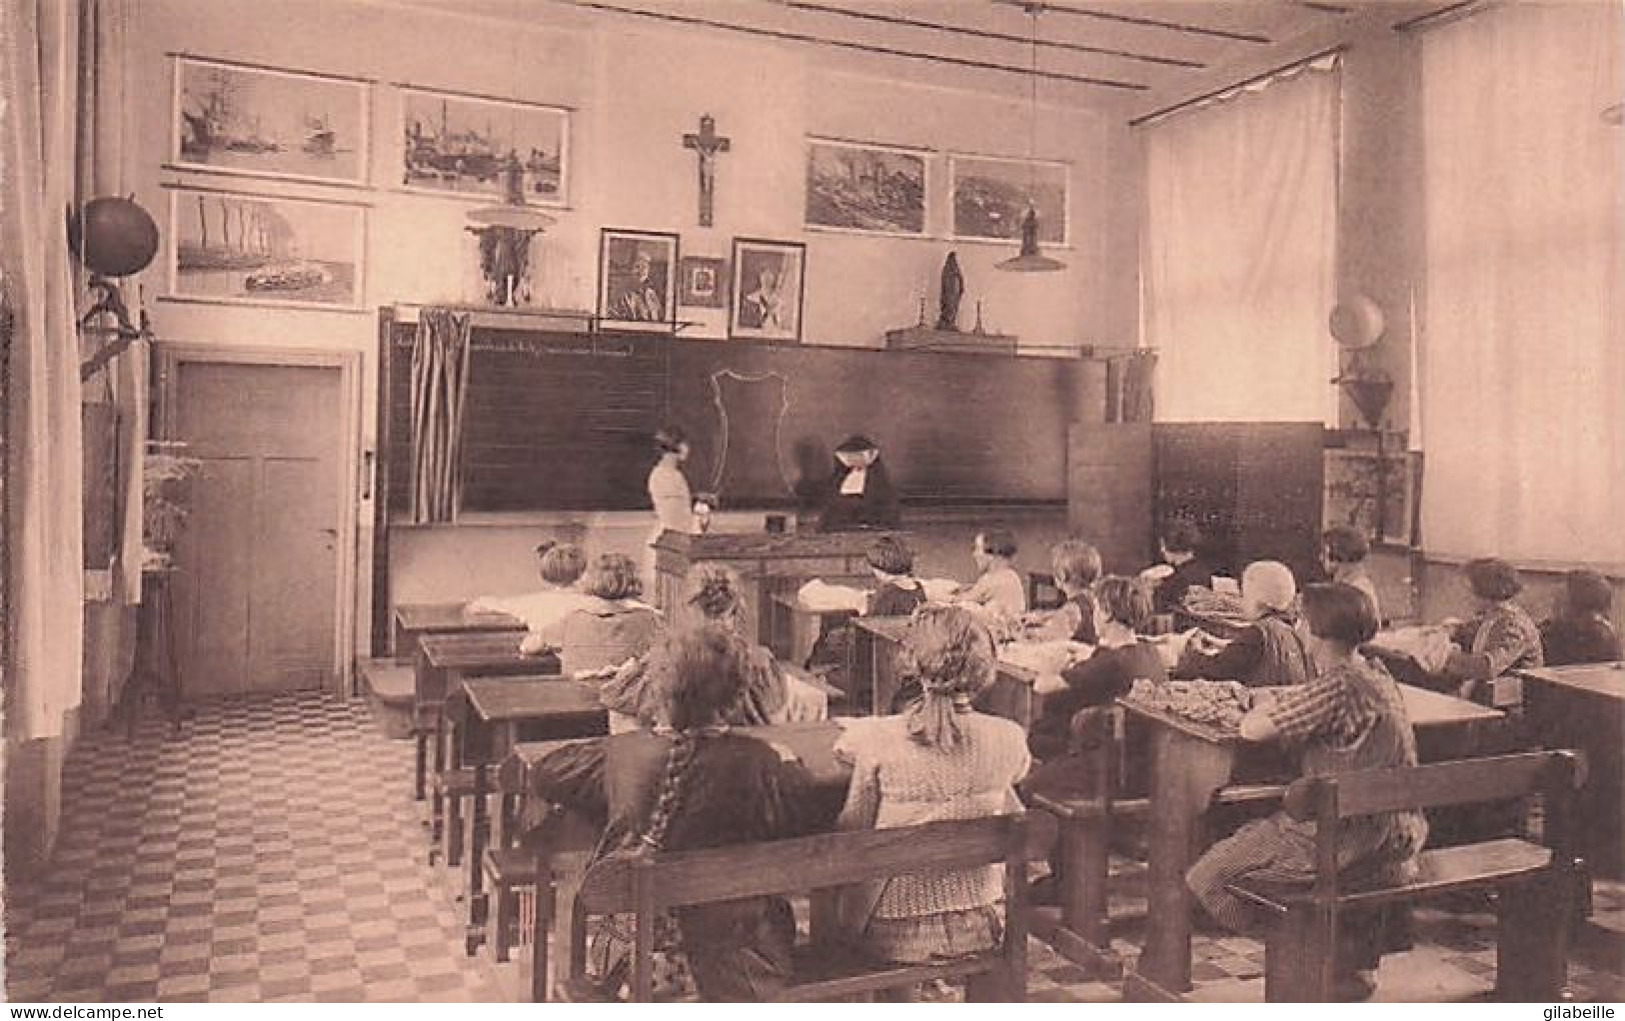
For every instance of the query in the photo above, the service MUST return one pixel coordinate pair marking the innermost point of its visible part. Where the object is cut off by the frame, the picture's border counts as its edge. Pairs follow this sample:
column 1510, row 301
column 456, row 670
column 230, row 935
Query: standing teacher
column 669, row 493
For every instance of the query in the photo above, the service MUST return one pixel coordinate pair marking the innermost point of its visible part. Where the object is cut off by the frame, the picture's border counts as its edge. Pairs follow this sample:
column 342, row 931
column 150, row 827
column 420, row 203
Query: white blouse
column 673, row 502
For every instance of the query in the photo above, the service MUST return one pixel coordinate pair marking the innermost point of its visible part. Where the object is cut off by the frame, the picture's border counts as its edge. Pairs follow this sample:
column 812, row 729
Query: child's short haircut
column 1493, row 578
column 1339, row 613
column 1182, row 536
column 562, row 563
column 1124, row 600
column 1589, row 592
column 1345, row 545
column 999, row 542
column 1076, row 564
column 614, row 576
column 888, row 554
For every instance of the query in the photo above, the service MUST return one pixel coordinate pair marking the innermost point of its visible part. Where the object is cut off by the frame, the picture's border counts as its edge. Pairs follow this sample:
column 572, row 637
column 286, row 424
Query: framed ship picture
column 262, row 250
column 455, row 144
column 262, row 122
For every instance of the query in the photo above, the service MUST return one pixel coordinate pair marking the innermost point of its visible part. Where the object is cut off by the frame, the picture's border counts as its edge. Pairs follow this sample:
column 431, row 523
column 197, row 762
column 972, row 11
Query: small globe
column 114, row 236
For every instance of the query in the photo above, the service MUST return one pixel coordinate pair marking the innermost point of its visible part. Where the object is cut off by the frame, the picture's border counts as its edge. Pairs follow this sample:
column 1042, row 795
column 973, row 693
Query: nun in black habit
column 860, row 494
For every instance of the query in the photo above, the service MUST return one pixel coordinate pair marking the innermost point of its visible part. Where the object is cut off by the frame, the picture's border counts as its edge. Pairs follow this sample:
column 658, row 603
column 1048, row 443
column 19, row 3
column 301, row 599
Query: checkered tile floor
column 272, row 853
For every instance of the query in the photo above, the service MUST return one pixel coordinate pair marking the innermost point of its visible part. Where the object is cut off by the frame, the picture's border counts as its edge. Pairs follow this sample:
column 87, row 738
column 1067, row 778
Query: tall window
column 1239, row 248
column 1523, row 351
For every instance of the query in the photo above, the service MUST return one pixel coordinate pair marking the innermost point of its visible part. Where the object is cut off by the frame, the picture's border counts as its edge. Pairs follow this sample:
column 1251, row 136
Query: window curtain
column 440, row 363
column 1523, row 346
column 1239, row 247
column 38, row 68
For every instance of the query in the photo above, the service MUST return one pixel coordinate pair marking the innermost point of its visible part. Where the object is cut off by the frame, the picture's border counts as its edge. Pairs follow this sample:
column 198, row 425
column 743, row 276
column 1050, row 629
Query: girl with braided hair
column 771, row 696
column 690, row 784
column 939, row 760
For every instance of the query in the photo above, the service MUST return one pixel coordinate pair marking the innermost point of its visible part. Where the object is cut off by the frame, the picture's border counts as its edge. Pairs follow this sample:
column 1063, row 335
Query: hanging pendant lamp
column 1031, row 259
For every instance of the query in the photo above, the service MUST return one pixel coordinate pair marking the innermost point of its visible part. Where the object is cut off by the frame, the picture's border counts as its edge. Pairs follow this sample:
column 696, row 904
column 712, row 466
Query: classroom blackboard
column 563, row 421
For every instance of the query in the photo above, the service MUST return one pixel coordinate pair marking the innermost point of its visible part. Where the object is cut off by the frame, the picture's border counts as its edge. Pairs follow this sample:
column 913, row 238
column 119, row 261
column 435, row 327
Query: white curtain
column 38, row 67
column 1239, row 248
column 1523, row 350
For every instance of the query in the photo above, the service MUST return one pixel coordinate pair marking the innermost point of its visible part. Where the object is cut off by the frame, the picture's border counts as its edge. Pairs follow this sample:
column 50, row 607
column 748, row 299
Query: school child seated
column 1349, row 717
column 561, row 565
column 1076, row 567
column 632, row 695
column 938, row 760
column 693, row 783
column 1269, row 650
column 897, row 593
column 1181, row 545
column 1579, row 630
column 998, row 587
column 1122, row 608
column 1343, row 550
column 610, row 626
column 1501, row 636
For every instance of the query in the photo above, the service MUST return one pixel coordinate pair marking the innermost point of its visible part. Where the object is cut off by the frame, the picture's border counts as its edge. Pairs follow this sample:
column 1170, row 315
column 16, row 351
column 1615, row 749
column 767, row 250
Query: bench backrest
column 1330, row 799
column 805, row 863
column 1439, row 785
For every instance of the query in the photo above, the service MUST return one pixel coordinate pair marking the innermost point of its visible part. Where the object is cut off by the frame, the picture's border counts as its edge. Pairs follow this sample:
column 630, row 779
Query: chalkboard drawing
column 747, row 465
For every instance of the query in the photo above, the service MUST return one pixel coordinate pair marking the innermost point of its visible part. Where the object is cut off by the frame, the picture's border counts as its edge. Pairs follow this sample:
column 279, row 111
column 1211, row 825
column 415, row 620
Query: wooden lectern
column 767, row 563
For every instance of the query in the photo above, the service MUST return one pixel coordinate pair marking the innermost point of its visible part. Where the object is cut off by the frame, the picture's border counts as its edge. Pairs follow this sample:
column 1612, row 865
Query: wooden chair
column 647, row 887
column 1534, row 884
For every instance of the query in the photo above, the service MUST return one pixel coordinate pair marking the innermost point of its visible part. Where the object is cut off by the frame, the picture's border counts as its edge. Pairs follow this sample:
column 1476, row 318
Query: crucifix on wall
column 707, row 144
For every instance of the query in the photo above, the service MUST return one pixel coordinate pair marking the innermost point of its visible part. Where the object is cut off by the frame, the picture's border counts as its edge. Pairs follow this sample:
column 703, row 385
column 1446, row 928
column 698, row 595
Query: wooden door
column 256, row 595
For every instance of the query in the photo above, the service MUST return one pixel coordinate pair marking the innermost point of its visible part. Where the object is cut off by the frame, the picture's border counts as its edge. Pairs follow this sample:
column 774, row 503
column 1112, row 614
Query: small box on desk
column 924, row 338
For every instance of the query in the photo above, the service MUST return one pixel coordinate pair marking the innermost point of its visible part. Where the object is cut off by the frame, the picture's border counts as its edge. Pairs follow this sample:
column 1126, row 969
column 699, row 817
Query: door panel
column 256, row 595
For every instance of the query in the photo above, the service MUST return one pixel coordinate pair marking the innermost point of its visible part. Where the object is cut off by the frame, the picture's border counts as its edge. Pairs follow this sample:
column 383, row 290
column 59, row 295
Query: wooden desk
column 445, row 659
column 1583, row 707
column 875, row 670
column 414, row 620
column 795, row 627
column 767, row 562
column 1190, row 762
column 485, row 716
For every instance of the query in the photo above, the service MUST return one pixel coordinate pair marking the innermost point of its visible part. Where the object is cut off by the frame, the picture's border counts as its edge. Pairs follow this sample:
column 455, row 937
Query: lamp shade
column 1031, row 260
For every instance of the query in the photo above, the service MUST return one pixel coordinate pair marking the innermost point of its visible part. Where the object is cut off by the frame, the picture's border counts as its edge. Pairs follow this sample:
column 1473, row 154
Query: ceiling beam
column 891, row 19
column 1130, row 19
column 672, row 17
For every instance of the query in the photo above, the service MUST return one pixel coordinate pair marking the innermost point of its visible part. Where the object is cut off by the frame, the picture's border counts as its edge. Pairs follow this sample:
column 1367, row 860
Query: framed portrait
column 868, row 189
column 238, row 119
column 1372, row 494
column 702, row 282
column 454, row 144
column 768, row 280
column 262, row 250
column 637, row 279
column 991, row 195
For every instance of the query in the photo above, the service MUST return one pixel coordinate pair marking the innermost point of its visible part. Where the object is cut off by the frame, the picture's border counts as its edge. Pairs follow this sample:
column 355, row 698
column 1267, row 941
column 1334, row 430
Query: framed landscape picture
column 236, row 119
column 768, row 281
column 260, row 250
column 703, row 282
column 991, row 195
column 459, row 145
column 871, row 189
column 637, row 279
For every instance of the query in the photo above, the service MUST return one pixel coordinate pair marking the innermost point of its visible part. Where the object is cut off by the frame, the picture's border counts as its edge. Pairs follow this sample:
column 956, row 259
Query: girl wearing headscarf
column 860, row 493
column 1266, row 652
column 938, row 760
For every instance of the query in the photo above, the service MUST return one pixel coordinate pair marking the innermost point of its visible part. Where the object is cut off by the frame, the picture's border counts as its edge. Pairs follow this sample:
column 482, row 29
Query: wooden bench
column 647, row 887
column 1535, row 884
